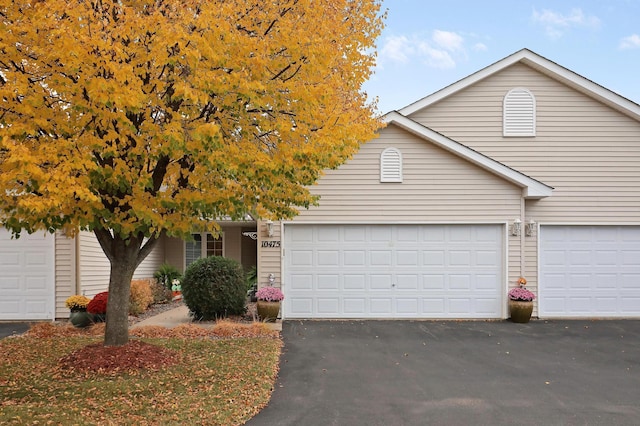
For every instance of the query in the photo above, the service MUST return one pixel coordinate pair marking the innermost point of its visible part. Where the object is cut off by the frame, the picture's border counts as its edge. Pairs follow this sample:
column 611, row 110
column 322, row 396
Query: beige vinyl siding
column 152, row 262
column 233, row 243
column 587, row 151
column 174, row 252
column 65, row 273
column 95, row 267
column 269, row 258
column 438, row 187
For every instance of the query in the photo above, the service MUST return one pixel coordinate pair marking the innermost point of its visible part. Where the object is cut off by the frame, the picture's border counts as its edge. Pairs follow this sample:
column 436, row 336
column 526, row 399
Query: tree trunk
column 124, row 254
column 123, row 265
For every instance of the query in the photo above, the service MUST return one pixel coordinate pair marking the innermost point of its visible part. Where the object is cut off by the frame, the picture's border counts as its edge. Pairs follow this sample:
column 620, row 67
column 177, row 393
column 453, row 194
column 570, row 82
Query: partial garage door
column 26, row 277
column 589, row 271
column 393, row 271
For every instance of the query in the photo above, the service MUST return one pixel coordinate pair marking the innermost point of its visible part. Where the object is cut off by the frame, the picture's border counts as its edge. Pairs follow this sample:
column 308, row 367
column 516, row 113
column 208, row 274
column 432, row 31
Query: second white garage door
column 393, row 271
column 27, row 276
column 589, row 271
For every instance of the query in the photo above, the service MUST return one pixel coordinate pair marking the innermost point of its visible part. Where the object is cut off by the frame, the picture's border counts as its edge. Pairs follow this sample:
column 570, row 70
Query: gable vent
column 391, row 165
column 519, row 113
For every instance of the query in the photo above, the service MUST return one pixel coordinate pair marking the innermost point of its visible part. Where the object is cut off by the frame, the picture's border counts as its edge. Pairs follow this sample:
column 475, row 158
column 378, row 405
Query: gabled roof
column 531, row 188
column 543, row 65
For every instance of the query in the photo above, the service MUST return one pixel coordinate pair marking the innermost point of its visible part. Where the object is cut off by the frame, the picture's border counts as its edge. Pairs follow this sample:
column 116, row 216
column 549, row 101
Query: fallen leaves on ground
column 58, row 374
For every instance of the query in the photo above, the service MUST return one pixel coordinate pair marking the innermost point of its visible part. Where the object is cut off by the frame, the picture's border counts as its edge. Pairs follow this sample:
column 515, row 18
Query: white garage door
column 26, row 277
column 393, row 271
column 590, row 271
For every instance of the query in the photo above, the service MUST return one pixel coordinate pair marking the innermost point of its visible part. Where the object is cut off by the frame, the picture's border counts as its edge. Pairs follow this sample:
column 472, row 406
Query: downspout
column 76, row 259
column 523, row 263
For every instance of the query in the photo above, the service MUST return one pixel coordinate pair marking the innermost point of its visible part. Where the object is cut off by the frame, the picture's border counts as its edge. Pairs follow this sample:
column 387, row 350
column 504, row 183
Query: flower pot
column 99, row 317
column 268, row 311
column 520, row 311
column 80, row 319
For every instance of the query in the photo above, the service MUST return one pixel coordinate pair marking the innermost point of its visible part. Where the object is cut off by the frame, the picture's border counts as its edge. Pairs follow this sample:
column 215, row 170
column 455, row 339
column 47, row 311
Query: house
column 39, row 271
column 524, row 168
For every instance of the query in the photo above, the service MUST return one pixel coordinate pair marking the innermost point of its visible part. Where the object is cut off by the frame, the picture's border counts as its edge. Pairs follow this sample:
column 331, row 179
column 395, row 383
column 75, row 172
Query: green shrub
column 214, row 287
column 167, row 273
column 140, row 297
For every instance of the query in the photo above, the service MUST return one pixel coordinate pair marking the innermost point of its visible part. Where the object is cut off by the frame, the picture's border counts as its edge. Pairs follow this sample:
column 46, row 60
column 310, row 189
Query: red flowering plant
column 269, row 294
column 98, row 305
column 520, row 293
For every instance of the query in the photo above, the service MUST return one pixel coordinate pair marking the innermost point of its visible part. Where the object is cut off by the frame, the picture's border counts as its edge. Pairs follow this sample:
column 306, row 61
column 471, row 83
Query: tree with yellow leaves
column 135, row 118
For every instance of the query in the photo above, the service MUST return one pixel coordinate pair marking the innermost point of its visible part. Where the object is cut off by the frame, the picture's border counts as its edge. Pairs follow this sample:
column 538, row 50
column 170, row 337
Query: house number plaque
column 271, row 244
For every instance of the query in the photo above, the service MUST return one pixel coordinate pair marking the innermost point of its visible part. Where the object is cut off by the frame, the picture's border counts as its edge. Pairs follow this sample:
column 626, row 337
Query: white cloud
column 630, row 42
column 480, row 47
column 448, row 40
column 397, row 49
column 442, row 49
column 556, row 24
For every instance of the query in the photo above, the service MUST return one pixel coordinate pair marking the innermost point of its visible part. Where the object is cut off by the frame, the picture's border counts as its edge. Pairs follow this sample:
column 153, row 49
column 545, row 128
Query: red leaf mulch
column 135, row 355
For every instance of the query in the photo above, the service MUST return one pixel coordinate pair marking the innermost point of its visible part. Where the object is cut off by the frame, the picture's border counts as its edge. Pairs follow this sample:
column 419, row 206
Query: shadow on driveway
column 457, row 373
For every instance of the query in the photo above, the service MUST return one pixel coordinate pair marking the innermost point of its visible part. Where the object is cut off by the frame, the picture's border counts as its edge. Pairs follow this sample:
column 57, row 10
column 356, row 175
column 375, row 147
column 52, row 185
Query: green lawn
column 218, row 381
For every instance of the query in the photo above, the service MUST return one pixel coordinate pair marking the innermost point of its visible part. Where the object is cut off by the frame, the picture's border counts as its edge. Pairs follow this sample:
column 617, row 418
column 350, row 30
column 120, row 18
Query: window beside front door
column 203, row 245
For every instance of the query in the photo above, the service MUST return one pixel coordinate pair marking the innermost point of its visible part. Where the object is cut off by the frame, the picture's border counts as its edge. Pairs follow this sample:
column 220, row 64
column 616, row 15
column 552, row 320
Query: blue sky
column 428, row 45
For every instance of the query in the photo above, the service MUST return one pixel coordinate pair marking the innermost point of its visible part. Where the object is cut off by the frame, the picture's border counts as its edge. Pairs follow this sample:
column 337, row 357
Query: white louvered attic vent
column 391, row 165
column 519, row 113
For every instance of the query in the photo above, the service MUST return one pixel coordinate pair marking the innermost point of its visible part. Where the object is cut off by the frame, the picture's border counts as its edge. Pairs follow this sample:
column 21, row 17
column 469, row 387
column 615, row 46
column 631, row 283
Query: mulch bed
column 135, row 355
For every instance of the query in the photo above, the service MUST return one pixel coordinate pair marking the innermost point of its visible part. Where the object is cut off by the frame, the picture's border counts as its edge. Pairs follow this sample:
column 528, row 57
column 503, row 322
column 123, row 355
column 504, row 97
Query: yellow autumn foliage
column 138, row 118
column 142, row 116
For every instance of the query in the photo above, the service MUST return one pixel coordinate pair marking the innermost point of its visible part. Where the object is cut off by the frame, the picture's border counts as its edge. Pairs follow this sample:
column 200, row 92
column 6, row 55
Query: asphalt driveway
column 10, row 328
column 457, row 373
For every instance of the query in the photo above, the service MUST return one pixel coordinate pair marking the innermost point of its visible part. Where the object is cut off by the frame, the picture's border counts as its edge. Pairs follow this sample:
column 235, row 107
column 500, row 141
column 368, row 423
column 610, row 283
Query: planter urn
column 520, row 310
column 268, row 311
column 80, row 319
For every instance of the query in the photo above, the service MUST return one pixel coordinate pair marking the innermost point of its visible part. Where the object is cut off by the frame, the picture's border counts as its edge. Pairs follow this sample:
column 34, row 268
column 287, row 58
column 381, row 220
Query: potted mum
column 98, row 306
column 521, row 302
column 268, row 305
column 77, row 304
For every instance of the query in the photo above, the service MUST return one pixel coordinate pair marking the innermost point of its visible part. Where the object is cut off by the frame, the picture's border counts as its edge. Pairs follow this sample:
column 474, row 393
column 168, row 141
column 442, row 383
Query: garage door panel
column 301, row 282
column 407, row 258
column 355, row 258
column 380, row 282
column 433, row 258
column 407, row 307
column 381, row 306
column 380, row 258
column 27, row 278
column 389, row 271
column 328, row 282
column 407, row 282
column 589, row 271
column 630, row 258
column 354, row 282
column 459, row 258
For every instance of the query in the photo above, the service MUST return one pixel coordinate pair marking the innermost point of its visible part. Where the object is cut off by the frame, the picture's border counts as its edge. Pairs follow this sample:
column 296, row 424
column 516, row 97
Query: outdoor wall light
column 272, row 279
column 269, row 225
column 515, row 228
column 530, row 228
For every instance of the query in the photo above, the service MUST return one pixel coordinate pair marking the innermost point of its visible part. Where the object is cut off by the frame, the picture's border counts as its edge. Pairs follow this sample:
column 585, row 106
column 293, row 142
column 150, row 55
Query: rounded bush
column 214, row 287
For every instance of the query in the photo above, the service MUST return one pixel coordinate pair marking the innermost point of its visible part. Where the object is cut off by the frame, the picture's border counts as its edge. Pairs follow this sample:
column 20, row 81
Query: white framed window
column 519, row 113
column 203, row 244
column 391, row 165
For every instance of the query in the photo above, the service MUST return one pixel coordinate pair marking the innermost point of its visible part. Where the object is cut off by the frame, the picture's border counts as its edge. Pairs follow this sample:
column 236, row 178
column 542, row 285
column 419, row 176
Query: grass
column 221, row 381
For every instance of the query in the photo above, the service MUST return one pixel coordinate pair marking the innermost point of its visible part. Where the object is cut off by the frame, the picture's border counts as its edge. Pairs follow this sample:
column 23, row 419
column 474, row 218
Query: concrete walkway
column 180, row 315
